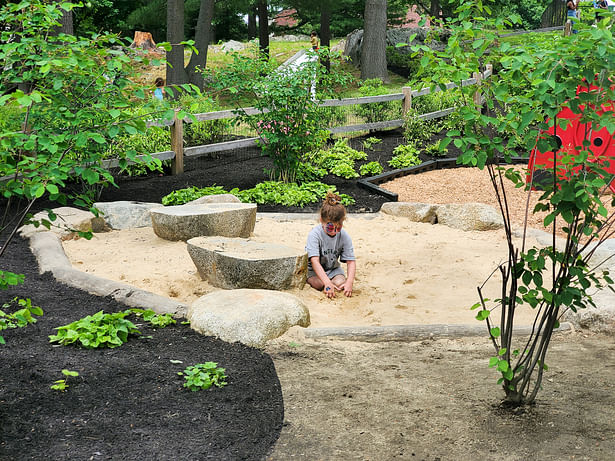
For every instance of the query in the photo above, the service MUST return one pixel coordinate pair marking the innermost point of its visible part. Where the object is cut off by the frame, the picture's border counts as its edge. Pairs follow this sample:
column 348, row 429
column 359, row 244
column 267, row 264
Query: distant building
column 286, row 18
column 412, row 19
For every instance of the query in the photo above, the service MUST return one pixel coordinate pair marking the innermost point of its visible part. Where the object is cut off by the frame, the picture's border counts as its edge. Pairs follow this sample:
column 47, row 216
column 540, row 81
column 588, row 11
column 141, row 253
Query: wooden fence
column 178, row 151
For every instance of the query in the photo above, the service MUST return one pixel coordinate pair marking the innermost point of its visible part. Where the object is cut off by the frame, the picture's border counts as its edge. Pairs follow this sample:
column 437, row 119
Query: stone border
column 47, row 248
column 371, row 183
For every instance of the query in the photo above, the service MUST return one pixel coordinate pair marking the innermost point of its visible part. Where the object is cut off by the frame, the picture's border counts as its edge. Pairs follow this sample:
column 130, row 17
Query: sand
column 407, row 272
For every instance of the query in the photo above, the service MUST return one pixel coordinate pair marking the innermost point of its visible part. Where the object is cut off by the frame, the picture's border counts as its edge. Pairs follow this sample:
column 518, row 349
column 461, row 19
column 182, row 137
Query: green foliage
column 370, row 169
column 8, row 279
column 204, row 375
column 377, row 111
column 206, row 132
column 371, row 142
column 436, row 149
column 404, row 64
column 268, row 192
column 21, row 317
column 155, row 320
column 62, row 384
column 338, row 160
column 98, row 330
column 405, row 155
column 417, row 130
column 537, row 79
column 291, row 124
column 181, row 196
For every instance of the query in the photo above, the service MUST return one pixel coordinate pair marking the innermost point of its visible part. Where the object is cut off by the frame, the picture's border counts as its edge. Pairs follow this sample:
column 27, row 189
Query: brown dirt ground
column 438, row 400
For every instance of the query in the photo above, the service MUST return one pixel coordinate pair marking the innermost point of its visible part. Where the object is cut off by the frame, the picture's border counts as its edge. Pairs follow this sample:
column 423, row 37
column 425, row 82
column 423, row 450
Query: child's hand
column 329, row 290
column 346, row 287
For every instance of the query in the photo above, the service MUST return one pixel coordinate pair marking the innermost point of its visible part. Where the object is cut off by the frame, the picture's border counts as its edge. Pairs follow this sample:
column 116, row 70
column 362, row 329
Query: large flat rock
column 126, row 214
column 251, row 317
column 184, row 222
column 243, row 263
column 68, row 221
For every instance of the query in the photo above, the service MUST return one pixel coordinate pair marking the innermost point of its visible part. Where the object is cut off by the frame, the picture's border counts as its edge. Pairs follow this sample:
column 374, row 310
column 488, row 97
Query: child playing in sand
column 327, row 245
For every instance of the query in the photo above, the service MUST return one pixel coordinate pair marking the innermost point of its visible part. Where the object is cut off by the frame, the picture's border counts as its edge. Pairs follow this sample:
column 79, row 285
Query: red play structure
column 571, row 137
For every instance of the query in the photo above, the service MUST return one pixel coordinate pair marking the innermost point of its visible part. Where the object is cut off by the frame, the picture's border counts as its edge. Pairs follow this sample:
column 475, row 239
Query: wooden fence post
column 567, row 28
column 177, row 144
column 407, row 101
column 478, row 101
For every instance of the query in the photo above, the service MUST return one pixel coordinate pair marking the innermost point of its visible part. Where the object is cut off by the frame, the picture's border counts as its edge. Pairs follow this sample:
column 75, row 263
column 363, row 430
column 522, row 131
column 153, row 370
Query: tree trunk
column 66, row 22
column 176, row 75
column 325, row 29
column 263, row 27
column 434, row 9
column 373, row 52
column 252, row 23
column 202, row 37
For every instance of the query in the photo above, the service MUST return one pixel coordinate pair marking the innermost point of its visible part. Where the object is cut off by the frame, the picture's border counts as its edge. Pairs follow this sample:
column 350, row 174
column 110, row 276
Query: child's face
column 332, row 228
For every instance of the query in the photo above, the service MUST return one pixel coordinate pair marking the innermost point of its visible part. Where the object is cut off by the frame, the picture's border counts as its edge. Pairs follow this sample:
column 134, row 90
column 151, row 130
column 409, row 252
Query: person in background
column 572, row 12
column 328, row 245
column 159, row 91
column 314, row 40
column 600, row 5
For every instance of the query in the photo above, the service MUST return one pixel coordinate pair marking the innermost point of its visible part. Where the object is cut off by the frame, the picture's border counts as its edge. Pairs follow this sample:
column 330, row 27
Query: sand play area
column 407, row 272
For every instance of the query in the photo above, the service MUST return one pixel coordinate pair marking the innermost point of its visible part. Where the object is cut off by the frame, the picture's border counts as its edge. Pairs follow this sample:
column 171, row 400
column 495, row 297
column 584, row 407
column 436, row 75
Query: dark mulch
column 129, row 403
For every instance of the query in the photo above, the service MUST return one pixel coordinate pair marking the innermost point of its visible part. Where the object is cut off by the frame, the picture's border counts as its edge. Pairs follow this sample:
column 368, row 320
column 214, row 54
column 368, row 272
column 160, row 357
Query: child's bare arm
column 329, row 288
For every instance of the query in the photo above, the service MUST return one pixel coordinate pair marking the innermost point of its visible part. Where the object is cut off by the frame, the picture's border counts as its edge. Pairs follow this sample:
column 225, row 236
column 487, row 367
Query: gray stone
column 126, row 214
column 418, row 212
column 243, row 263
column 184, row 222
column 251, row 317
column 469, row 216
column 218, row 198
column 67, row 222
column 233, row 45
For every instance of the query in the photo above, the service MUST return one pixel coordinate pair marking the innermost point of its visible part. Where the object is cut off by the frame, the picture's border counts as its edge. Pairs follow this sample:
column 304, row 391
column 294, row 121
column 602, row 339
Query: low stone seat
column 184, row 222
column 251, row 317
column 243, row 263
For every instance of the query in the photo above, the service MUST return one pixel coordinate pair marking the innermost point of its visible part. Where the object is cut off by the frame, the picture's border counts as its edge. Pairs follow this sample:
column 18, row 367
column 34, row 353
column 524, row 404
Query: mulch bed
column 129, row 403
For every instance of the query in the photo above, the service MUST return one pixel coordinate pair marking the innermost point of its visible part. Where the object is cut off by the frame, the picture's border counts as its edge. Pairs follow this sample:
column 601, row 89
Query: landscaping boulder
column 469, row 216
column 243, row 263
column 602, row 317
column 184, row 222
column 67, row 222
column 233, row 45
column 251, row 317
column 126, row 214
column 218, row 198
column 418, row 212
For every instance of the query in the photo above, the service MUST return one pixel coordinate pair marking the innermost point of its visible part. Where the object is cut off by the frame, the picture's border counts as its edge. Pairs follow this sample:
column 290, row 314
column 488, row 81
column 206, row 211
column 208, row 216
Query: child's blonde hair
column 332, row 209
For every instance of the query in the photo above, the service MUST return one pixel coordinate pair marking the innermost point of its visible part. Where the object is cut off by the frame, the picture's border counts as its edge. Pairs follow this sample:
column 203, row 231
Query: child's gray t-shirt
column 331, row 250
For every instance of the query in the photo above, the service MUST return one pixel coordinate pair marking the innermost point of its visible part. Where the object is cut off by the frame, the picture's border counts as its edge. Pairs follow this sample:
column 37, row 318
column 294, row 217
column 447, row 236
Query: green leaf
column 495, row 332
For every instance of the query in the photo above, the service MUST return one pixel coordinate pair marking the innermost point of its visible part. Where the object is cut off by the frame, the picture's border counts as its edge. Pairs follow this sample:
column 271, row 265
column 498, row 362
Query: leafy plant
column 291, row 124
column 371, row 142
column 370, row 169
column 376, row 111
column 62, row 384
column 156, row 320
column 405, row 155
column 338, row 160
column 21, row 317
column 436, row 149
column 537, row 81
column 204, row 375
column 98, row 330
column 181, row 196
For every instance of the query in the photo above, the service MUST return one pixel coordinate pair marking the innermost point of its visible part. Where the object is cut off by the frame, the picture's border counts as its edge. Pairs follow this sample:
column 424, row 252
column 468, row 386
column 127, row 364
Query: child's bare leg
column 338, row 280
column 315, row 282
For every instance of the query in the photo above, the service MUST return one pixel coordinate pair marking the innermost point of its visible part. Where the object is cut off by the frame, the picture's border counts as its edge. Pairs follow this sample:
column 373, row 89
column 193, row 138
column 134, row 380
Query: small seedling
column 203, row 376
column 19, row 318
column 156, row 320
column 371, row 142
column 61, row 384
column 293, row 344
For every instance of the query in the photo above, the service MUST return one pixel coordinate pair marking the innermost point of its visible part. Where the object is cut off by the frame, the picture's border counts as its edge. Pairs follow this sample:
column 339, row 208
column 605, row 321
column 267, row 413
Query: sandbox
column 407, row 272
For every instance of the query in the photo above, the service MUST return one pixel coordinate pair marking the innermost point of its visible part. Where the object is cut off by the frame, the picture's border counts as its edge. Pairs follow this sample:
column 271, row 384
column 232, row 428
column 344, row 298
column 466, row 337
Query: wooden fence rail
column 178, row 152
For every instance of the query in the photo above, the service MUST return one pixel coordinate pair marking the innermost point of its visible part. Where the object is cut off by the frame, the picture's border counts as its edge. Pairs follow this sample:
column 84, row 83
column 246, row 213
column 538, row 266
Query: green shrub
column 405, row 156
column 337, row 160
column 181, row 196
column 370, row 169
column 206, row 132
column 402, row 63
column 435, row 150
column 371, row 142
column 376, row 111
